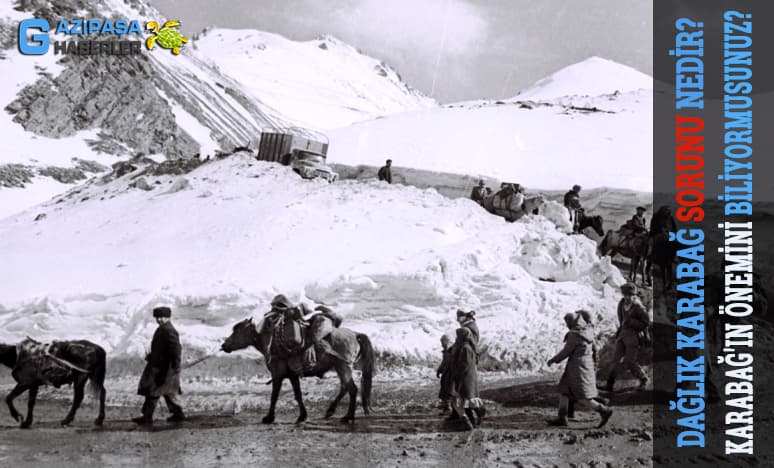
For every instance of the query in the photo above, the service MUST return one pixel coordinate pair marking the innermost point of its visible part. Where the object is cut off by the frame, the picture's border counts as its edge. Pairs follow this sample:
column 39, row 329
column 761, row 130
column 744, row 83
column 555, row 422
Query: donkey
column 59, row 363
column 355, row 347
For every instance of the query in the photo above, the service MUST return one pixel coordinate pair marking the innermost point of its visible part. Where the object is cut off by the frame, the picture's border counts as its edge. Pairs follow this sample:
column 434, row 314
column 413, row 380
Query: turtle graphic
column 167, row 37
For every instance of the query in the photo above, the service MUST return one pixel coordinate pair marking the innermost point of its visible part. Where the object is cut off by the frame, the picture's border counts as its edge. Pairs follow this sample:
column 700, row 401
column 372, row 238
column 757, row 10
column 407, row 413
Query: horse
column 595, row 222
column 663, row 251
column 636, row 248
column 59, row 363
column 356, row 347
column 510, row 206
column 663, row 255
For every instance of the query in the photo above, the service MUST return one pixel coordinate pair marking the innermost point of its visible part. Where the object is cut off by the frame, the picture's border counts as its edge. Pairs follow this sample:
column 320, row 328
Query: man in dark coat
column 638, row 220
column 479, row 192
column 385, row 173
column 572, row 194
column 161, row 376
column 633, row 319
column 573, row 205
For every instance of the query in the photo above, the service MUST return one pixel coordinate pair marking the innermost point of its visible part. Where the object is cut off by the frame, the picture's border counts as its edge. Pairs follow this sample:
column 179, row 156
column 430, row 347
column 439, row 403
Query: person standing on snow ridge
column 385, row 172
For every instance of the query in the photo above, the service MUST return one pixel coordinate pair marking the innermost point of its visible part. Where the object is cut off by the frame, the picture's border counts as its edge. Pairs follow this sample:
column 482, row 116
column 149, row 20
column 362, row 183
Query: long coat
column 385, row 174
column 633, row 320
column 578, row 380
column 464, row 359
column 445, row 370
column 162, row 371
column 473, row 327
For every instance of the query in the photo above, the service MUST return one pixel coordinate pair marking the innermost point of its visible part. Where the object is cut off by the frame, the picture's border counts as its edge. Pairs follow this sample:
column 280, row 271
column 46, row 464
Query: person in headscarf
column 578, row 380
column 586, row 316
column 465, row 378
column 468, row 320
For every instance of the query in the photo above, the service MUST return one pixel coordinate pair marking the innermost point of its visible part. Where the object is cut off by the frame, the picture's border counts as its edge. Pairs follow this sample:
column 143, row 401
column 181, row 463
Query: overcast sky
column 452, row 50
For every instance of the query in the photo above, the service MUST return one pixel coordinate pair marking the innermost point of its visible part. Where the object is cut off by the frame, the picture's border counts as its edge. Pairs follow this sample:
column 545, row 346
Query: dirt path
column 404, row 430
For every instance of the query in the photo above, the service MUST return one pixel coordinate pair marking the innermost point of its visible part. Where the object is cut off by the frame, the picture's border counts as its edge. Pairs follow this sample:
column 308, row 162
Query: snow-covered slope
column 595, row 141
column 218, row 97
column 395, row 261
column 322, row 84
column 591, row 77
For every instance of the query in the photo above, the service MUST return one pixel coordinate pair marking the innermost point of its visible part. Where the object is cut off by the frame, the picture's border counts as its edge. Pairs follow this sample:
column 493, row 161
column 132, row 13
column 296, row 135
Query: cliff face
column 115, row 94
column 208, row 100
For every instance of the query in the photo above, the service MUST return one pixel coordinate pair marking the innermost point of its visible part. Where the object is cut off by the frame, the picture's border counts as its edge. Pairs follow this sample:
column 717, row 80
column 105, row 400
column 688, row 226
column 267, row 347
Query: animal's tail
column 97, row 378
column 367, row 360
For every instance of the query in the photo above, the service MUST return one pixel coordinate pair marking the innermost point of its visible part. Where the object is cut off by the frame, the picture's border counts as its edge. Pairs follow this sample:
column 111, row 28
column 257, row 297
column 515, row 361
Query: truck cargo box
column 278, row 146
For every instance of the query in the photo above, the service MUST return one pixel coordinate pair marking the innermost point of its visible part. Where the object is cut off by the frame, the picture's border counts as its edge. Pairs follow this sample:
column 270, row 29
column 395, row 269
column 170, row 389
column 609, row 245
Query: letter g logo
column 37, row 44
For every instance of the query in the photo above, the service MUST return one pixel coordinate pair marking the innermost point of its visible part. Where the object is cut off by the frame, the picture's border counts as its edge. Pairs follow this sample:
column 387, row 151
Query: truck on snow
column 302, row 150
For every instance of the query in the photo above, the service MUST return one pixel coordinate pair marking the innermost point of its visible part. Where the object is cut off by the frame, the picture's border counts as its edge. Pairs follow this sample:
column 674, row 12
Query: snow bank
column 395, row 261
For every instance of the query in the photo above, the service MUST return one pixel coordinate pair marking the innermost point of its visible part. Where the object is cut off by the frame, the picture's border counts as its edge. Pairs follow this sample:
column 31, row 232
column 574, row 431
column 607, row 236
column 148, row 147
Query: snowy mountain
column 60, row 112
column 594, row 141
column 322, row 84
column 219, row 242
column 592, row 77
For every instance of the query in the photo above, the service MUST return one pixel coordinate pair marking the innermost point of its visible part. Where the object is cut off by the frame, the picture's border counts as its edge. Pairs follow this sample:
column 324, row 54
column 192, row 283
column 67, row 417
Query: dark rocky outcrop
column 116, row 94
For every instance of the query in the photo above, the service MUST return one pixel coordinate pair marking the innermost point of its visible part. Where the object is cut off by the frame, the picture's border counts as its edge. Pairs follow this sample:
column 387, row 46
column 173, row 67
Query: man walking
column 632, row 320
column 161, row 376
column 385, row 172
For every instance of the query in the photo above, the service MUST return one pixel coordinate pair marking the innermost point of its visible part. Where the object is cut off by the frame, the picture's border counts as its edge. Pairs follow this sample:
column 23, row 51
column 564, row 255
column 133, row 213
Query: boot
column 480, row 414
column 472, row 417
column 143, row 421
column 561, row 419
column 571, row 410
column 608, row 386
column 177, row 417
column 605, row 412
column 468, row 423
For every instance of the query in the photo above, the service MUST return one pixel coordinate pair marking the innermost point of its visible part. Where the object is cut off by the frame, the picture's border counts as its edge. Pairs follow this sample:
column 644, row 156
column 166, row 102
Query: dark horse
column 355, row 347
column 636, row 248
column 594, row 222
column 59, row 363
column 663, row 255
